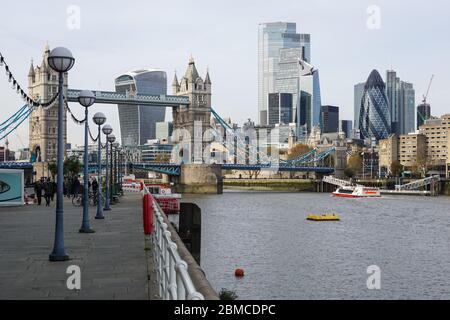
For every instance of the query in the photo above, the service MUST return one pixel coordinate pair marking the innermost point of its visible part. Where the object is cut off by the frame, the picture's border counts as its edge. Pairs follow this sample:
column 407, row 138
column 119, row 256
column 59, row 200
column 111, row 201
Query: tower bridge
column 111, row 97
column 191, row 109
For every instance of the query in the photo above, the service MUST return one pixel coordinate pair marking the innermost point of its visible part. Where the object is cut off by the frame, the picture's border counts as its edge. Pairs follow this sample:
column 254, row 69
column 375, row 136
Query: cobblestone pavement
column 114, row 261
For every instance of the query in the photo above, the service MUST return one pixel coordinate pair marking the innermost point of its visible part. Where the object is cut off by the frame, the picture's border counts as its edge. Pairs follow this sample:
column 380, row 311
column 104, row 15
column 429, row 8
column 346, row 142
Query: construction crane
column 424, row 101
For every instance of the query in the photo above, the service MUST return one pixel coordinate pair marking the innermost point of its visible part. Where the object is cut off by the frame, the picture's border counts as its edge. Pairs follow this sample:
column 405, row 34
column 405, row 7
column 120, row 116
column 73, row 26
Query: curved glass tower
column 138, row 123
column 374, row 116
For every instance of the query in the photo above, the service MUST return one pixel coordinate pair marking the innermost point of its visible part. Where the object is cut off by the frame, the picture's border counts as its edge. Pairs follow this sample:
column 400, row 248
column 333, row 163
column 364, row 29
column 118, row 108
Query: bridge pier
column 200, row 178
column 340, row 161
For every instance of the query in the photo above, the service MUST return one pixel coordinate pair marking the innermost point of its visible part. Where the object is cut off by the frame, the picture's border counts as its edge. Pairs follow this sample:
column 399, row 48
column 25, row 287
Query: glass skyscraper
column 423, row 113
column 272, row 37
column 401, row 97
column 357, row 96
column 305, row 89
column 280, row 108
column 138, row 123
column 374, row 115
column 329, row 119
column 346, row 127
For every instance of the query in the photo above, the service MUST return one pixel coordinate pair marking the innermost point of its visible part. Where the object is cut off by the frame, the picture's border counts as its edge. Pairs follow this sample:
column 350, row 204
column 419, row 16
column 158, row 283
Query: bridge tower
column 194, row 120
column 43, row 124
column 340, row 159
column 197, row 113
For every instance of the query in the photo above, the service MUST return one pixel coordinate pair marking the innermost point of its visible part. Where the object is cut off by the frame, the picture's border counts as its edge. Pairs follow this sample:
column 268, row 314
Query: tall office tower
column 330, row 119
column 138, row 123
column 408, row 119
column 401, row 97
column 280, row 108
column 357, row 96
column 423, row 113
column 374, row 115
column 272, row 37
column 305, row 43
column 305, row 89
column 345, row 126
column 392, row 91
column 164, row 130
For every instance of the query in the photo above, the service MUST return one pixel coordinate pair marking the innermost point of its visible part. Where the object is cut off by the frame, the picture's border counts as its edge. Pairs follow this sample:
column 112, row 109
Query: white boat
column 357, row 192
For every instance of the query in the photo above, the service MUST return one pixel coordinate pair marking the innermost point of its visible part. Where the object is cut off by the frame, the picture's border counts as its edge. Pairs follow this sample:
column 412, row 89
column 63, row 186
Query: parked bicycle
column 77, row 201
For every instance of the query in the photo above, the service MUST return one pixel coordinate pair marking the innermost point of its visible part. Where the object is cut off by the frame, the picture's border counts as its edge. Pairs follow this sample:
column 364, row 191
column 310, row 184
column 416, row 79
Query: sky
column 348, row 40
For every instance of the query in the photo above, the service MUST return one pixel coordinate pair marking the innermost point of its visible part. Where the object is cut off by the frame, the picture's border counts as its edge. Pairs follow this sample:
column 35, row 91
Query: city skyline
column 96, row 48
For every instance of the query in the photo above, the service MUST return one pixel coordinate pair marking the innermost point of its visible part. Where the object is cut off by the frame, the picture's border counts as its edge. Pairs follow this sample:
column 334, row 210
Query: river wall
column 312, row 185
column 270, row 184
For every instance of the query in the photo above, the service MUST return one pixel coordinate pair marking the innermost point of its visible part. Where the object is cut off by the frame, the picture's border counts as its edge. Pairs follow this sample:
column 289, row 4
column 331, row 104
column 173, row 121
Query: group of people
column 72, row 188
column 45, row 188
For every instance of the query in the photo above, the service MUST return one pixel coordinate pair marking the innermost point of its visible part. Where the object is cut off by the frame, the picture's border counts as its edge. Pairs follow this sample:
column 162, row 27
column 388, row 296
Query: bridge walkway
column 114, row 262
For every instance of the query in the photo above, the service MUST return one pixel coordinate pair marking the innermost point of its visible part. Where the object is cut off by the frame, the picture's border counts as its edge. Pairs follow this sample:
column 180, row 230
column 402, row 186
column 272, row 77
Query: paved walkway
column 113, row 261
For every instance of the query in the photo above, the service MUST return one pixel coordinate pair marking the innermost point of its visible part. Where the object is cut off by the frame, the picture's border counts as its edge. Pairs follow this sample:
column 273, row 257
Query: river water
column 287, row 257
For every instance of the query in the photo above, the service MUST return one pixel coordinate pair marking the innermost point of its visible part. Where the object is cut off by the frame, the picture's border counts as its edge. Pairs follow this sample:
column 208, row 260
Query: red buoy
column 239, row 272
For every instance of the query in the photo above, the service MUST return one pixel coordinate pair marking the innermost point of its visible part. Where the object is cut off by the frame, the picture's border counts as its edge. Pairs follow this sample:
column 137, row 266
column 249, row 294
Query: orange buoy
column 239, row 272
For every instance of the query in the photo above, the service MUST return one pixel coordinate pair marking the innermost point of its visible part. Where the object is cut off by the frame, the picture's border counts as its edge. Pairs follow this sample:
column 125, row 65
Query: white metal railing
column 336, row 182
column 418, row 183
column 173, row 279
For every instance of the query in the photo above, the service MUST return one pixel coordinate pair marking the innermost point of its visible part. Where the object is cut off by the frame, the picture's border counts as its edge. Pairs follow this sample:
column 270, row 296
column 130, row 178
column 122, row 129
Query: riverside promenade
column 115, row 262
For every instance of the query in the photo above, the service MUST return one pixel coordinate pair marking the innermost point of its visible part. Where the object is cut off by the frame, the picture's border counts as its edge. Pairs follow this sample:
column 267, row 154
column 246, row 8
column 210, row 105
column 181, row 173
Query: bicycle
column 93, row 199
column 77, row 201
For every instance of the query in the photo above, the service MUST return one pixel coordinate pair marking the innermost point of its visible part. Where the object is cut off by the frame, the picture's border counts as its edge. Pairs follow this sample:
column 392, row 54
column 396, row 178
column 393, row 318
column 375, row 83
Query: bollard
column 148, row 213
column 144, row 210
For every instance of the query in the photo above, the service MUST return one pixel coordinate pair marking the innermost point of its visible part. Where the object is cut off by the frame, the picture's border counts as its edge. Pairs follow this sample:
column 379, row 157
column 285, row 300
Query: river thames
column 287, row 257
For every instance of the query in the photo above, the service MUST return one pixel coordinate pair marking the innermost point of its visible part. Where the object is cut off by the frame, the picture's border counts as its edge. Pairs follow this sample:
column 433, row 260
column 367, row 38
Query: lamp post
column 116, row 146
column 86, row 98
column 99, row 119
column 107, row 130
column 61, row 60
column 111, row 139
column 120, row 170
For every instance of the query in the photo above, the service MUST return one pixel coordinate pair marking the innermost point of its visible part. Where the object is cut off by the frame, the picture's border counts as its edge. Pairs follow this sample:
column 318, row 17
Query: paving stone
column 112, row 260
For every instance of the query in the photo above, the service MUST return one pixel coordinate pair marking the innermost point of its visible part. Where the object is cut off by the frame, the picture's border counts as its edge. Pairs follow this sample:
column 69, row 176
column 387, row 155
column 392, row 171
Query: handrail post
column 173, row 279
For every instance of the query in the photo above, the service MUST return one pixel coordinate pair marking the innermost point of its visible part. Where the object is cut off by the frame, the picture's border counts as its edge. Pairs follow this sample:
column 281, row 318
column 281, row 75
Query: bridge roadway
column 114, row 261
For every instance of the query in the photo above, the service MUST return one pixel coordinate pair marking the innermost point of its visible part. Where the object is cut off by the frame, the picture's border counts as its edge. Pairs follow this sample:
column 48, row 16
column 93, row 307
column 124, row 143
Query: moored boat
column 357, row 192
column 323, row 217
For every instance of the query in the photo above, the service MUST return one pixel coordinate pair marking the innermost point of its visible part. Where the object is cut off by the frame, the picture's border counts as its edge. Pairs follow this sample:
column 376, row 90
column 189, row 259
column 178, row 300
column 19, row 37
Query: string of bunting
column 75, row 119
column 92, row 137
column 19, row 90
column 78, row 121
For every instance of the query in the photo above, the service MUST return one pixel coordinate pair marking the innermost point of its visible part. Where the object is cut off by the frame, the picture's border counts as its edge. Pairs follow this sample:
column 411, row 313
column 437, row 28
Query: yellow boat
column 323, row 217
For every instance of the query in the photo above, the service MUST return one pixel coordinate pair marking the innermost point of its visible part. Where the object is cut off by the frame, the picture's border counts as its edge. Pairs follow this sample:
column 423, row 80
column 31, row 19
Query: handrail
column 418, row 183
column 173, row 279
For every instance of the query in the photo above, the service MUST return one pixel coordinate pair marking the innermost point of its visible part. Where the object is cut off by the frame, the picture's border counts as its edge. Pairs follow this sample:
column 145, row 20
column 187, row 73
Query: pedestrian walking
column 94, row 186
column 53, row 190
column 76, row 187
column 38, row 191
column 47, row 192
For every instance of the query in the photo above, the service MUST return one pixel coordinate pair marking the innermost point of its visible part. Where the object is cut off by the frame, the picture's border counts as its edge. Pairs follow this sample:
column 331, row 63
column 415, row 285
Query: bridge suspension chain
column 16, row 86
column 74, row 118
column 15, row 120
column 18, row 120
